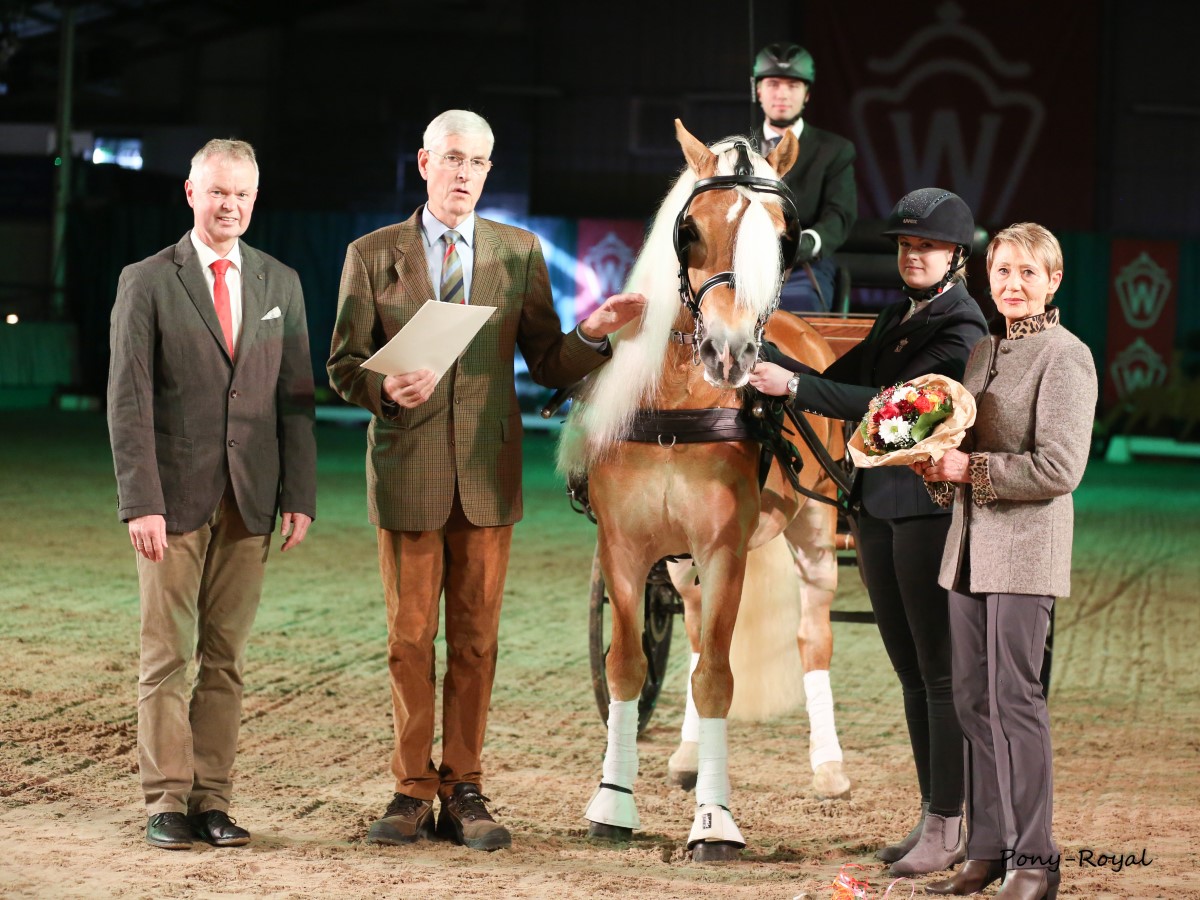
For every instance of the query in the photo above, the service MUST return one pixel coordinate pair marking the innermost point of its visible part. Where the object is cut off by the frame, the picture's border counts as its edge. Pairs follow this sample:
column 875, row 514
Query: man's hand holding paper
column 410, row 388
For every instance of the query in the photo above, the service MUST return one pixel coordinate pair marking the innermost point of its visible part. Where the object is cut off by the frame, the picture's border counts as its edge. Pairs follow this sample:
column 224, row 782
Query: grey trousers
column 200, row 602
column 998, row 642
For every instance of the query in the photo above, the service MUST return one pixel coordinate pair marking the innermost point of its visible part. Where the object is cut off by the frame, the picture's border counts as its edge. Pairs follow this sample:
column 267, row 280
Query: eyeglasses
column 453, row 162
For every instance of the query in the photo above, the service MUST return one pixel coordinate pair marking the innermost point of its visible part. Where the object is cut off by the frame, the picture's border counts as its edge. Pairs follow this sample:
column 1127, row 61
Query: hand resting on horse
column 616, row 312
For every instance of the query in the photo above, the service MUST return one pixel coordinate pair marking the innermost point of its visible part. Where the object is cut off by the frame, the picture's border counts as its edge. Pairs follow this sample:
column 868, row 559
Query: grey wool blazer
column 468, row 433
column 1036, row 398
column 185, row 420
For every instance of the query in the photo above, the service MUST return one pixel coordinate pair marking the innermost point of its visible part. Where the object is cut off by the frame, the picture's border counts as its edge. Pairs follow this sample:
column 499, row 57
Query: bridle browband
column 742, row 177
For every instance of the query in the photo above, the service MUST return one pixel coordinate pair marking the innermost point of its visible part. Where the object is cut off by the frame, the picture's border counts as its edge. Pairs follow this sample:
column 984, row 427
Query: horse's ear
column 783, row 157
column 700, row 159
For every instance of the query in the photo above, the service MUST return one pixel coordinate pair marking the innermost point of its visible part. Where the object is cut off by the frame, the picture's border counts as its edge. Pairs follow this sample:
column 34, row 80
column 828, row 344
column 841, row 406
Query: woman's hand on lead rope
column 770, row 379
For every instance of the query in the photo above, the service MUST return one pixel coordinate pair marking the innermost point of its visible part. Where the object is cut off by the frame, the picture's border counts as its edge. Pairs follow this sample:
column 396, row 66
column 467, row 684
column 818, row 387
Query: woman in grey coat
column 1008, row 555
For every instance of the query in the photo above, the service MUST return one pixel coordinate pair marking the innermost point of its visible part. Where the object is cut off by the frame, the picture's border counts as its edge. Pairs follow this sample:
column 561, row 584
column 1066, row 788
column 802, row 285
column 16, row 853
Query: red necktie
column 221, row 301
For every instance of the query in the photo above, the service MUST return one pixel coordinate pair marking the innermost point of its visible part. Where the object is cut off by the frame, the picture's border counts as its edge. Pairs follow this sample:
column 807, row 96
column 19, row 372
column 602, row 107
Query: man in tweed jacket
column 444, row 461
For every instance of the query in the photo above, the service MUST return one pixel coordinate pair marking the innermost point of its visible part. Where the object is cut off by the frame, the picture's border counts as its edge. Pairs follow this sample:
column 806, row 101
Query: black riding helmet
column 784, row 61
column 939, row 215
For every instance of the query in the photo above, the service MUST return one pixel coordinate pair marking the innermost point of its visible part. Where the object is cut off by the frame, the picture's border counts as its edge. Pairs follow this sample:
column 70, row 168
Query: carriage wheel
column 661, row 604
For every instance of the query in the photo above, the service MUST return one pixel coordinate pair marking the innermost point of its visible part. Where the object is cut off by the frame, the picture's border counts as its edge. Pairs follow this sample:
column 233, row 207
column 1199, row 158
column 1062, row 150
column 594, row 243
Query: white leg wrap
column 823, row 743
column 691, row 718
column 612, row 804
column 712, row 770
column 714, row 823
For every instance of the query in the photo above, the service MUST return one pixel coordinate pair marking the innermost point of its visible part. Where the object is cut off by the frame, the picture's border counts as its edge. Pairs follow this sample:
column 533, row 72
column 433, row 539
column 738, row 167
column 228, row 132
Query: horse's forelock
column 757, row 261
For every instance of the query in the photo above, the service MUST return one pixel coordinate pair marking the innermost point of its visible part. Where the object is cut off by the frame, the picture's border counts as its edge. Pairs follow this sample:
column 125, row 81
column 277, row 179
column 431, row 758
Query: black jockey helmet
column 784, row 61
column 933, row 213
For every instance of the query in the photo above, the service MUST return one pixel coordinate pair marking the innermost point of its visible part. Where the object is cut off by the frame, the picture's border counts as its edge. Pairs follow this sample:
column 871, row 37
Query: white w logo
column 944, row 143
column 944, row 150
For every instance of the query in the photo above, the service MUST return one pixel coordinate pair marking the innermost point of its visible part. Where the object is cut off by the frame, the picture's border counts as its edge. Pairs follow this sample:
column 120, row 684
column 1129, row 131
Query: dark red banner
column 1141, row 316
column 605, row 255
column 994, row 101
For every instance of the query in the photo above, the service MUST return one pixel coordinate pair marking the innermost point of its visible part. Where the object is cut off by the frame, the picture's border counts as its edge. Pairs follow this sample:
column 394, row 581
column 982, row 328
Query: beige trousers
column 198, row 602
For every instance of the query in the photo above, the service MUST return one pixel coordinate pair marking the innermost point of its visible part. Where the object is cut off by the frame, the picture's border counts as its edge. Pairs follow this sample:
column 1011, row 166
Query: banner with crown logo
column 605, row 252
column 972, row 97
column 1141, row 316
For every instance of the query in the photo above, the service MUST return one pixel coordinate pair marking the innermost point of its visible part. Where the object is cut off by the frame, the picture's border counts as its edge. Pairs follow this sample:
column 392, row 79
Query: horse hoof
column 681, row 767
column 830, row 782
column 614, row 834
column 715, row 851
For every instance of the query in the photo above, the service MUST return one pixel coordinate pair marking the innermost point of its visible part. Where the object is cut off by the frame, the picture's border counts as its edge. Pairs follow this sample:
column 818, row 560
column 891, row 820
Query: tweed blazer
column 184, row 419
column 936, row 340
column 469, row 431
column 822, row 185
column 1036, row 399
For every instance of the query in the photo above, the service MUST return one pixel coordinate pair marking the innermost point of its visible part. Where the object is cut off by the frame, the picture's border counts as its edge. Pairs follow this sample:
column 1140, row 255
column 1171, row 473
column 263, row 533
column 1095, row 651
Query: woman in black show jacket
column 901, row 532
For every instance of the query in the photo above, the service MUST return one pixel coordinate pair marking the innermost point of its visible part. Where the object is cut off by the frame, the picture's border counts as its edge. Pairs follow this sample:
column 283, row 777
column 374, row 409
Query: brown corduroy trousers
column 469, row 563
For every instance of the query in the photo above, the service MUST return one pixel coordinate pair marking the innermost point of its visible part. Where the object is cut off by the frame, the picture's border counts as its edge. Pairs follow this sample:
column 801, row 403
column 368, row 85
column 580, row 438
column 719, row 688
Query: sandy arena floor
column 312, row 767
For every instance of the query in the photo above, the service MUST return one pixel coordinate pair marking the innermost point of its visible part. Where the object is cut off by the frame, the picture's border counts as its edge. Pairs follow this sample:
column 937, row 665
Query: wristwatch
column 793, row 385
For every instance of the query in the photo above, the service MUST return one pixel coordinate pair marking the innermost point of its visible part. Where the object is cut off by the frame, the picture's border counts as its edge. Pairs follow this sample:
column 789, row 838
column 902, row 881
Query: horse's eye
column 688, row 233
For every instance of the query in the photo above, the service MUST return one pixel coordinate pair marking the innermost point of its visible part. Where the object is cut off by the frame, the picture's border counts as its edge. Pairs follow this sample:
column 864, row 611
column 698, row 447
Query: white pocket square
column 273, row 314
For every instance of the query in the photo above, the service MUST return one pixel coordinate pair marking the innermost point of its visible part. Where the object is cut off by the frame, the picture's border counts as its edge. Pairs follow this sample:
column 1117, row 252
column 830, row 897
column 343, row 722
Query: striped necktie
column 453, row 287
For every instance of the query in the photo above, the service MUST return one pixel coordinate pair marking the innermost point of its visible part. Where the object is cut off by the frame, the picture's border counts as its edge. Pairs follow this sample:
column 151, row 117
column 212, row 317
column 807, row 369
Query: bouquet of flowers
column 918, row 420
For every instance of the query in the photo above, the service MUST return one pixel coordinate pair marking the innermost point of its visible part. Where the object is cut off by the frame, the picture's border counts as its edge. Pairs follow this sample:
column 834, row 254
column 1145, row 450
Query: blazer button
column 233, row 394
column 457, row 401
column 1004, row 348
column 995, row 372
column 232, row 442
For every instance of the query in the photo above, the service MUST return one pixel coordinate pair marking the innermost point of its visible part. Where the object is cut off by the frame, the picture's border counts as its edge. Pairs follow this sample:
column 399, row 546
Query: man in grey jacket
column 210, row 411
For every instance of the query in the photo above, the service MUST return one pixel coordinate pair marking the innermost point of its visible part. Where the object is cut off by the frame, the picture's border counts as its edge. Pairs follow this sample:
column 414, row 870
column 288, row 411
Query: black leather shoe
column 973, row 877
column 169, row 831
column 465, row 819
column 406, row 820
column 218, row 829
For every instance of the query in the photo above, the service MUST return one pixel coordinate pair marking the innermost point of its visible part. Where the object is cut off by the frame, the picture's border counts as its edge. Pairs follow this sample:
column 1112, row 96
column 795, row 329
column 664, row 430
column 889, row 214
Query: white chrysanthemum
column 894, row 431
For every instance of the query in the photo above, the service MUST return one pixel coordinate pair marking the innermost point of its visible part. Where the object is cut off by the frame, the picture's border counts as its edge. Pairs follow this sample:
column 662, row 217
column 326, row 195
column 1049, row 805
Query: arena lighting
column 123, row 152
column 12, row 319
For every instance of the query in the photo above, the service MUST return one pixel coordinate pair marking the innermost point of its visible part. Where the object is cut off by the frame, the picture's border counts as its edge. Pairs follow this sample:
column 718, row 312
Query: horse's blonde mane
column 602, row 413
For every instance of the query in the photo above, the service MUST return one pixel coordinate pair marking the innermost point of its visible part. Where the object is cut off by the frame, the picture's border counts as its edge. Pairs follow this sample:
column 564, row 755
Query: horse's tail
column 768, row 677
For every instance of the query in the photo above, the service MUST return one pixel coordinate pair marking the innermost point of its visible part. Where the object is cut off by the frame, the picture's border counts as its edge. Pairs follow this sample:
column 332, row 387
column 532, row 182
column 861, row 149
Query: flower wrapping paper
column 946, row 435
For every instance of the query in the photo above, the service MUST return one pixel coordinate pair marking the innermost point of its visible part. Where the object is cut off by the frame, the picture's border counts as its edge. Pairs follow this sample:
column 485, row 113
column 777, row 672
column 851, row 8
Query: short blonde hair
column 227, row 148
column 1035, row 240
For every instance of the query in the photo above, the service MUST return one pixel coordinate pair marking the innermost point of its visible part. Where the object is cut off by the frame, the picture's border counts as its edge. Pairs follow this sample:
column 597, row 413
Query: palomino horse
column 715, row 244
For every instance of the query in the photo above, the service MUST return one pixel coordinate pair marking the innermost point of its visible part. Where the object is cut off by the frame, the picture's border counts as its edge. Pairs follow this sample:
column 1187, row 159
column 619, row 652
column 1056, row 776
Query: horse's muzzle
column 725, row 366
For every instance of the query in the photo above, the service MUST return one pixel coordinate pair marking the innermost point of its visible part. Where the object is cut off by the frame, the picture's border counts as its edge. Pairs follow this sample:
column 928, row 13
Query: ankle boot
column 1030, row 884
column 973, row 877
column 940, row 846
column 893, row 852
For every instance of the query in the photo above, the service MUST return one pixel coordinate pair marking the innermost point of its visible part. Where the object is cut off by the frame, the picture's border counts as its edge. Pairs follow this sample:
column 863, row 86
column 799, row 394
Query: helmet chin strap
column 957, row 261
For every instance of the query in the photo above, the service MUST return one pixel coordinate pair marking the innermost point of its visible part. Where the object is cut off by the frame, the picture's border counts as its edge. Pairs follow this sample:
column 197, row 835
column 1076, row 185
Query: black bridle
column 742, row 177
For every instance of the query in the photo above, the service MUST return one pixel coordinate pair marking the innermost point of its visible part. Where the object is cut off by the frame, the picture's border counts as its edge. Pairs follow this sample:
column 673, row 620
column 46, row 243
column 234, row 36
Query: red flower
column 889, row 411
column 923, row 404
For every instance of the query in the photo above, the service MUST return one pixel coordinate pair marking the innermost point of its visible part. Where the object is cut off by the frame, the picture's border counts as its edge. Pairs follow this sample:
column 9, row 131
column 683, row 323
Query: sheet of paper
column 433, row 339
